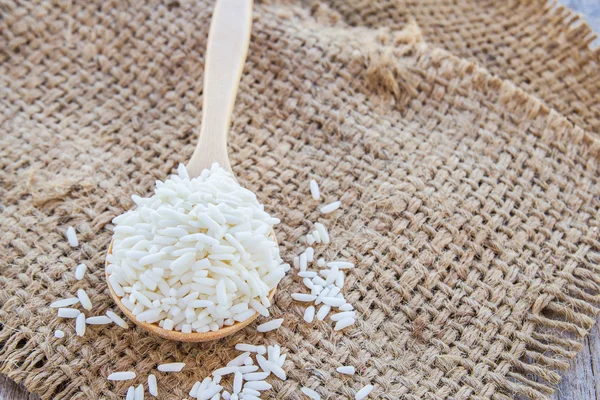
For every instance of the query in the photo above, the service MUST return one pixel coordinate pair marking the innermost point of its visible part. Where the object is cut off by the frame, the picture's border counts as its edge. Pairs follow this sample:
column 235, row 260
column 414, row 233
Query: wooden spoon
column 228, row 41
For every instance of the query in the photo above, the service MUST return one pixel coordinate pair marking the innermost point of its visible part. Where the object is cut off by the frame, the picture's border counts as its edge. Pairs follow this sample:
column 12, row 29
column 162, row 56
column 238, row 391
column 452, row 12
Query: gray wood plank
column 9, row 390
column 582, row 379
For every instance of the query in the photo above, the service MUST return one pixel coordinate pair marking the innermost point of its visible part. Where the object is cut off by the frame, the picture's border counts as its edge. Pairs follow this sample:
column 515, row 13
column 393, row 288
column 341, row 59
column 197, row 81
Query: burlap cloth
column 469, row 205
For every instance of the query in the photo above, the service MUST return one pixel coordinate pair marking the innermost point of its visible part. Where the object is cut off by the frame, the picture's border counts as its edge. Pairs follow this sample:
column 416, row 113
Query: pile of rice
column 197, row 255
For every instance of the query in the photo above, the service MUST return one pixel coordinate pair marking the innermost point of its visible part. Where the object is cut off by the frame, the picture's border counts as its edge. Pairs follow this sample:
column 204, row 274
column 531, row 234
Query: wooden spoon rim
column 178, row 335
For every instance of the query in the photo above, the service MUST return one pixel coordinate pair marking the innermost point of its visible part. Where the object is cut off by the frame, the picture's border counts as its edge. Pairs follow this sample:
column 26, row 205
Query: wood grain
column 11, row 391
column 582, row 379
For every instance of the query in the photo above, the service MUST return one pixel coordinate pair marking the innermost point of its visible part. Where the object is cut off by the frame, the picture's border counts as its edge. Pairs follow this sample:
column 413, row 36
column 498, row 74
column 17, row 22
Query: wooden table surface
column 580, row 382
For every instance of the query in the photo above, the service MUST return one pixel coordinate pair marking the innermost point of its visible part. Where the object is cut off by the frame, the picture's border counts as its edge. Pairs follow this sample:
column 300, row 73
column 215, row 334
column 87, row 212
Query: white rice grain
column 84, row 299
column 80, row 271
column 194, row 390
column 130, row 393
column 310, row 254
column 270, row 326
column 309, row 314
column 182, row 171
column 303, row 262
column 80, row 325
column 258, row 385
column 314, row 189
column 346, row 370
column 246, row 369
column 152, row 385
column 364, row 392
column 340, row 264
column 65, row 302
column 317, row 236
column 116, row 319
column 251, row 392
column 303, row 297
column 323, row 234
column 209, row 392
column 344, row 323
column 310, row 393
column 331, row 207
column 256, row 376
column 121, row 376
column 239, row 360
column 247, row 347
column 237, row 382
column 68, row 313
column 100, row 320
column 323, row 311
column 277, row 371
column 225, row 370
column 72, row 237
column 341, row 315
column 139, row 393
column 259, row 308
column 59, row 334
column 171, row 367
column 264, row 364
column 333, row 301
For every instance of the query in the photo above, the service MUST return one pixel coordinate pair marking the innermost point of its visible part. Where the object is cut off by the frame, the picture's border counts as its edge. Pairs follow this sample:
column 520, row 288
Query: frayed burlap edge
column 565, row 311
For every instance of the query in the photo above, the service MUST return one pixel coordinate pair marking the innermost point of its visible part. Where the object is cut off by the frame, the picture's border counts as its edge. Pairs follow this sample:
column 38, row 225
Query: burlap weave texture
column 469, row 206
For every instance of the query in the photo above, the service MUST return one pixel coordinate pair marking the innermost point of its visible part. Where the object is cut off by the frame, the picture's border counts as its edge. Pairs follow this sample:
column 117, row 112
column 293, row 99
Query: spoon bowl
column 178, row 335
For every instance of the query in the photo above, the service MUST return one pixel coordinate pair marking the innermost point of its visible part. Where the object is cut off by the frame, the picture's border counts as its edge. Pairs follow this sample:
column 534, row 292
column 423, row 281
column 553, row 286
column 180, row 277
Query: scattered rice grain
column 270, row 326
column 72, row 237
column 331, row 207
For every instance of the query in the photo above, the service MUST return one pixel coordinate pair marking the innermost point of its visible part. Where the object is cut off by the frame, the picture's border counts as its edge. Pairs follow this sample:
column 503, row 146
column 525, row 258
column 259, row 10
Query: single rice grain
column 72, row 237
column 364, row 392
column 311, row 393
column 331, row 207
column 344, row 323
column 152, row 385
column 65, row 302
column 84, row 299
column 171, row 367
column 121, row 376
column 100, row 320
column 309, row 314
column 80, row 325
column 68, row 313
column 270, row 326
column 116, row 319
column 346, row 370
column 139, row 393
column 303, row 297
column 130, row 393
column 314, row 189
column 80, row 271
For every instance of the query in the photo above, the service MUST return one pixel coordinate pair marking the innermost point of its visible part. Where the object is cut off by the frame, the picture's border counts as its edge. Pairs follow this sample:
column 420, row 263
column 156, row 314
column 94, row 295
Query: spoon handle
column 228, row 41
